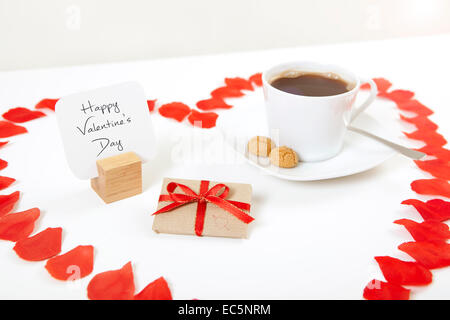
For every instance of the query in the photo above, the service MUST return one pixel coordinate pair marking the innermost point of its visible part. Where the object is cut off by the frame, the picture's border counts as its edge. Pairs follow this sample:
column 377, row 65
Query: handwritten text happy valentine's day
column 92, row 124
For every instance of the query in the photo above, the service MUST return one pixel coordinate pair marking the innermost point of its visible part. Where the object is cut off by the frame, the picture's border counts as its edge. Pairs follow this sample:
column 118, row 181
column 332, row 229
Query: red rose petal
column 398, row 95
column 435, row 209
column 414, row 106
column 421, row 122
column 226, row 92
column 7, row 202
column 151, row 105
column 403, row 272
column 436, row 187
column 112, row 285
column 203, row 119
column 46, row 104
column 41, row 246
column 438, row 152
column 239, row 83
column 427, row 230
column 439, row 205
column 365, row 86
column 431, row 138
column 380, row 290
column 156, row 290
column 3, row 164
column 382, row 84
column 213, row 103
column 19, row 225
column 438, row 168
column 430, row 254
column 256, row 79
column 22, row 115
column 9, row 129
column 2, row 143
column 72, row 265
column 175, row 110
column 5, row 182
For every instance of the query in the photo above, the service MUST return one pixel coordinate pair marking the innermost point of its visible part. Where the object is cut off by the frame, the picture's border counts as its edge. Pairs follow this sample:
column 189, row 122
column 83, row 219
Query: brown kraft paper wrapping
column 218, row 222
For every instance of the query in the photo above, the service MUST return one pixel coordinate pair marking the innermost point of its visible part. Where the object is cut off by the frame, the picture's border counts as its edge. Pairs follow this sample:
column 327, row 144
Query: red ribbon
column 215, row 195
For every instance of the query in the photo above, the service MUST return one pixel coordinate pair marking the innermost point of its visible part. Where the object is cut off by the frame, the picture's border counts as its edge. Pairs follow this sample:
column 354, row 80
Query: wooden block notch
column 119, row 177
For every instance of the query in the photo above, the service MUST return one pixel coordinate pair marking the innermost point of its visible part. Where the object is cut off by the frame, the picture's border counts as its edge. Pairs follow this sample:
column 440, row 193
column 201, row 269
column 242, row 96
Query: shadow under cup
column 313, row 126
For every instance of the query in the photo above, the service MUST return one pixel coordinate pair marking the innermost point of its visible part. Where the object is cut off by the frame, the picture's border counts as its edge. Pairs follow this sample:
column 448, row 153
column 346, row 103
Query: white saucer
column 358, row 154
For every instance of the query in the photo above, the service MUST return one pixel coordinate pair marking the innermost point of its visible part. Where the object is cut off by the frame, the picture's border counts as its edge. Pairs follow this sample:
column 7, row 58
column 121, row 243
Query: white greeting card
column 102, row 123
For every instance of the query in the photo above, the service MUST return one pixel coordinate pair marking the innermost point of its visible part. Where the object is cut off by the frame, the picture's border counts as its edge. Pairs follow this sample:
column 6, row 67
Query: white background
column 48, row 33
column 309, row 240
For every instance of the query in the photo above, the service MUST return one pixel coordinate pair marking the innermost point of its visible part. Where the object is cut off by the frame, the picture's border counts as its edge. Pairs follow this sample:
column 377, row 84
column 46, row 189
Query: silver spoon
column 407, row 152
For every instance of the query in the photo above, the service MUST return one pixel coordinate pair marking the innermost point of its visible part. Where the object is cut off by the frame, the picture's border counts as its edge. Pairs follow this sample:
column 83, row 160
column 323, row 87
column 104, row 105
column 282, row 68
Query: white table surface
column 310, row 240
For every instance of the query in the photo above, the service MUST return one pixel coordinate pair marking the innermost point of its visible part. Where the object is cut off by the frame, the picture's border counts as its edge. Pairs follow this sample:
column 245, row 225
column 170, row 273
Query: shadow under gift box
column 217, row 223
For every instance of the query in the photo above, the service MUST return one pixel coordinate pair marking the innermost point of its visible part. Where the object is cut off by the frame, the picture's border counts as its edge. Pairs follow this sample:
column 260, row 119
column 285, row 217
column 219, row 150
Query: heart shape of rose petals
column 431, row 253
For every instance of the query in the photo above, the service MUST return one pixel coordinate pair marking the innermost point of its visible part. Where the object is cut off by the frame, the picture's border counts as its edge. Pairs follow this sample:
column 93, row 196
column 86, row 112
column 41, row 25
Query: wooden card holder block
column 119, row 177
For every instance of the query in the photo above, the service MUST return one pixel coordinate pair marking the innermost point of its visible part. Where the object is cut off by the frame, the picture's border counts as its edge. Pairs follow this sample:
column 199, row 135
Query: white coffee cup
column 313, row 126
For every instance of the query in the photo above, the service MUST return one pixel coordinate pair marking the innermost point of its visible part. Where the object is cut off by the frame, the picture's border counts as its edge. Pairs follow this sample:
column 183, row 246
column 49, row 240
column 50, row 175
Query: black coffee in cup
column 311, row 84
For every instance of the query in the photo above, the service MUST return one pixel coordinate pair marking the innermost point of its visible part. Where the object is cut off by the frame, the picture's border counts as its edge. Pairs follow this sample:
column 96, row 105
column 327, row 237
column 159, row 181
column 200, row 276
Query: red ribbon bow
column 216, row 195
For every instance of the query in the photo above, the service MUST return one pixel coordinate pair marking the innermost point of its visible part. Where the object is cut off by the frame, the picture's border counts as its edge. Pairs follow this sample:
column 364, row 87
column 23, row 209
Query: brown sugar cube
column 260, row 146
column 284, row 157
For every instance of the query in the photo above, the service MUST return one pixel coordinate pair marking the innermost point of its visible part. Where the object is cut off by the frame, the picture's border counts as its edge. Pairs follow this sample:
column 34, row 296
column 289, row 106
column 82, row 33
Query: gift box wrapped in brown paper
column 206, row 208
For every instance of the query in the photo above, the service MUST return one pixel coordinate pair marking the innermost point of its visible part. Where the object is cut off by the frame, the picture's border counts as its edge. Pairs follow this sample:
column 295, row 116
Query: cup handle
column 373, row 94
